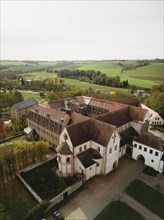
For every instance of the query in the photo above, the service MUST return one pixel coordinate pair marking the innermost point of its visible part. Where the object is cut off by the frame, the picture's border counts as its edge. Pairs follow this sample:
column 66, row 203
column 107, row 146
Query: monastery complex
column 91, row 135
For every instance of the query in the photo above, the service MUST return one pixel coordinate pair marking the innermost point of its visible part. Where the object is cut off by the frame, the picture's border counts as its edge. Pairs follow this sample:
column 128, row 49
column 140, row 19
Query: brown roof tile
column 116, row 118
column 76, row 117
column 87, row 157
column 90, row 129
column 53, row 114
column 138, row 113
column 108, row 105
column 63, row 149
column 150, row 140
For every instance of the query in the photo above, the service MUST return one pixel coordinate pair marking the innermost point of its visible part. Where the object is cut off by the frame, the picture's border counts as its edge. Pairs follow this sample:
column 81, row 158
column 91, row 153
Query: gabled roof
column 83, row 100
column 54, row 115
column 76, row 117
column 108, row 105
column 150, row 140
column 116, row 118
column 25, row 104
column 124, row 115
column 138, row 113
column 87, row 157
column 63, row 149
column 90, row 129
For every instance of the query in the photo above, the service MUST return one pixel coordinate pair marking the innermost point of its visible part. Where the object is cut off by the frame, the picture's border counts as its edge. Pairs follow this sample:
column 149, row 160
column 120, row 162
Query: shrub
column 37, row 211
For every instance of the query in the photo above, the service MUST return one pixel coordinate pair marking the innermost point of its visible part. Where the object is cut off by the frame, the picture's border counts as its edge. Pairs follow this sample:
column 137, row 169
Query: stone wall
column 65, row 193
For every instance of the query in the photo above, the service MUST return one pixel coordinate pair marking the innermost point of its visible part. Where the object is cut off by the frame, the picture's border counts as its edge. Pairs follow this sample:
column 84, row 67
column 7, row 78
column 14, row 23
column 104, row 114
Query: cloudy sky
column 72, row 30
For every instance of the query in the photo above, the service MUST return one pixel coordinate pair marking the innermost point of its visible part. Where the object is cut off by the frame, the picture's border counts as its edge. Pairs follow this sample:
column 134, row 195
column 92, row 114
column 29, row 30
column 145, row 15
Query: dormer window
column 65, row 136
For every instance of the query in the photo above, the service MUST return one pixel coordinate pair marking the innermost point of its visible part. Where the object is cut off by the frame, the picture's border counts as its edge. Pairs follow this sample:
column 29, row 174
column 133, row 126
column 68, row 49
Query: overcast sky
column 71, row 30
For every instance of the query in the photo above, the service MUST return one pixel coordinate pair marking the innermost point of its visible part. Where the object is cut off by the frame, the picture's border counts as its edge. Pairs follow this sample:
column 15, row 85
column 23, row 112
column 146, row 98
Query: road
column 100, row 191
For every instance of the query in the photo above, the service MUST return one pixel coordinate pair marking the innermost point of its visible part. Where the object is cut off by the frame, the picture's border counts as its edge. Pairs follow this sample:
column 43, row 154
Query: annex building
column 90, row 135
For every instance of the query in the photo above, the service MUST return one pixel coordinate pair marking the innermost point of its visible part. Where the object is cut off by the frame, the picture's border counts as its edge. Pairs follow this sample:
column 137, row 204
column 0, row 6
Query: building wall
column 16, row 114
column 44, row 133
column 112, row 153
column 65, row 163
column 90, row 171
column 137, row 126
column 152, row 156
column 82, row 147
column 156, row 120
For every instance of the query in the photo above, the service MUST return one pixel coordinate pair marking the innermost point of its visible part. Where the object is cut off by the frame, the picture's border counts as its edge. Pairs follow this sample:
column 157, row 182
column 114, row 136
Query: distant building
column 155, row 118
column 22, row 108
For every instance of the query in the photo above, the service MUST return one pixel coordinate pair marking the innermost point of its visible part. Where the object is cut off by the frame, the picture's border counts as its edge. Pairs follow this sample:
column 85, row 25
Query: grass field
column 39, row 75
column 15, row 200
column 147, row 196
column 118, row 211
column 8, row 145
column 29, row 95
column 146, row 76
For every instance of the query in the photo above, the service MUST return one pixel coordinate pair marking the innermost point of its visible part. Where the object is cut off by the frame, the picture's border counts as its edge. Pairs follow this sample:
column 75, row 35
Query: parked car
column 58, row 216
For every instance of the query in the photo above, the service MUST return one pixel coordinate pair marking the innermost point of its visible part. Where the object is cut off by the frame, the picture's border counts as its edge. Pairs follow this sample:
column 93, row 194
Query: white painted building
column 92, row 134
column 150, row 149
column 155, row 118
column 92, row 147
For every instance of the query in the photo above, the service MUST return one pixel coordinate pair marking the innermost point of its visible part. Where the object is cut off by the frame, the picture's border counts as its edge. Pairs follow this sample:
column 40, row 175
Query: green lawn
column 39, row 75
column 13, row 63
column 28, row 95
column 118, row 211
column 147, row 196
column 8, row 145
column 15, row 200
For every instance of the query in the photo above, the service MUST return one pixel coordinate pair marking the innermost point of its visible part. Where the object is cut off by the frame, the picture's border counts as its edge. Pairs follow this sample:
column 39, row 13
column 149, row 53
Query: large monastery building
column 90, row 135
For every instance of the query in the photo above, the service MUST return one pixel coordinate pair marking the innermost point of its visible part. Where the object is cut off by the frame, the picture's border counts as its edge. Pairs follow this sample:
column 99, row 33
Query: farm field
column 145, row 76
column 39, row 75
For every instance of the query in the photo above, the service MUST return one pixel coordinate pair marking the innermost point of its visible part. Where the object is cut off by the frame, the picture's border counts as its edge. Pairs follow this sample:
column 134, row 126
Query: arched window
column 98, row 149
column 80, row 149
column 59, row 158
column 110, row 151
column 68, row 159
column 85, row 147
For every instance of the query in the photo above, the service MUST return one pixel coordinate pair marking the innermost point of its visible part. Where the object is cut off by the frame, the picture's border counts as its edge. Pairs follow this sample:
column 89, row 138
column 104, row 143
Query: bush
column 37, row 211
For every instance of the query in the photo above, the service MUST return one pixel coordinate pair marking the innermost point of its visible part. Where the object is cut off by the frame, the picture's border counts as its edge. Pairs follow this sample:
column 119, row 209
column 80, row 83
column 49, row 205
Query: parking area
column 100, row 190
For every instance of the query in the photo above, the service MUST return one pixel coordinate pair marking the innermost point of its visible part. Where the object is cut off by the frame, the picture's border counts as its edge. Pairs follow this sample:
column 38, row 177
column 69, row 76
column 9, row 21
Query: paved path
column 100, row 191
column 146, row 213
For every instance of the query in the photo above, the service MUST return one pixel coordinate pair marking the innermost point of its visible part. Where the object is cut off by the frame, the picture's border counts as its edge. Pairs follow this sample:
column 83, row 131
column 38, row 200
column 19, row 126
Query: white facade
column 109, row 157
column 155, row 118
column 151, row 157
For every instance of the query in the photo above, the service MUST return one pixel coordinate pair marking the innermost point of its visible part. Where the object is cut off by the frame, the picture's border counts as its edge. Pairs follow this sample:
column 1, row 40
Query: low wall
column 57, row 198
column 30, row 189
column 65, row 193
column 11, row 137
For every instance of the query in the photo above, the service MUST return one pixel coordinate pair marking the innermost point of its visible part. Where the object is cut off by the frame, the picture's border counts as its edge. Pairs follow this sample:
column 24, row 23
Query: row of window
column 145, row 149
column 156, row 122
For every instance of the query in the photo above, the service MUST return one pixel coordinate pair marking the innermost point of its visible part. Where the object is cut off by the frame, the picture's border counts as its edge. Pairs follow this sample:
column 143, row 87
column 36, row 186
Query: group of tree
column 87, row 92
column 156, row 99
column 22, row 155
column 139, row 63
column 9, row 97
column 94, row 77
